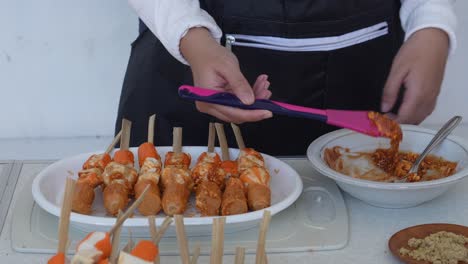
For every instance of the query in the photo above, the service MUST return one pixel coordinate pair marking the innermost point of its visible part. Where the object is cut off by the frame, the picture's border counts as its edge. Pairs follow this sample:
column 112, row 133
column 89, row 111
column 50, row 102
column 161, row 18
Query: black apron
column 350, row 77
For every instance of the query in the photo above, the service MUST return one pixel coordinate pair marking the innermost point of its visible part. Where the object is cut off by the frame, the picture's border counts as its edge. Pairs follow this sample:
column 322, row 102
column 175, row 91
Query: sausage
column 234, row 200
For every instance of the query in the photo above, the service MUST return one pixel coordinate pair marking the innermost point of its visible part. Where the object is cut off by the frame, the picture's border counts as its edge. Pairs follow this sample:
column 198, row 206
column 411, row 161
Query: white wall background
column 62, row 64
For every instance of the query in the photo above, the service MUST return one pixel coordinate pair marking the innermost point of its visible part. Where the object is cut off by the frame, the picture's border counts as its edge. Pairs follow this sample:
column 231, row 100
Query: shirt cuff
column 433, row 16
column 182, row 27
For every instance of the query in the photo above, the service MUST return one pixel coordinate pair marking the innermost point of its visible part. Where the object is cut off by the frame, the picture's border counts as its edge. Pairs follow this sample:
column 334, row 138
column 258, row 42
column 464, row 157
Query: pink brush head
column 355, row 120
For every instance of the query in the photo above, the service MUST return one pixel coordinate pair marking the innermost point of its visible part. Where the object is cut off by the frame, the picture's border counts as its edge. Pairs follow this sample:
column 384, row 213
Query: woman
column 334, row 54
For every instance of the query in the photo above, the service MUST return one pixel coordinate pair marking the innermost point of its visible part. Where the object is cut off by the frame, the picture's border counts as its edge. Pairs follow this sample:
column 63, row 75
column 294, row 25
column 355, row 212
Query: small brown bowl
column 400, row 239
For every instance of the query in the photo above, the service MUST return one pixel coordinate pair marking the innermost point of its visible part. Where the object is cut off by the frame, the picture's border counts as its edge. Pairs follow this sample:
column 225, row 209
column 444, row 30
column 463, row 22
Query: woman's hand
column 215, row 67
column 419, row 66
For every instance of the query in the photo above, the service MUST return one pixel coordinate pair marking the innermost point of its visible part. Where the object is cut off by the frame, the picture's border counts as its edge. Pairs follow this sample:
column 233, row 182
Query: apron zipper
column 308, row 44
column 230, row 39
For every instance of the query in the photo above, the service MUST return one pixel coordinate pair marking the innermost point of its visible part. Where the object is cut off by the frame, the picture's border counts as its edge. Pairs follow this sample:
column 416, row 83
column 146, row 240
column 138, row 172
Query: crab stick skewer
column 59, row 258
column 96, row 247
column 89, row 178
column 253, row 174
column 208, row 183
column 146, row 251
column 150, row 172
column 120, row 175
column 175, row 178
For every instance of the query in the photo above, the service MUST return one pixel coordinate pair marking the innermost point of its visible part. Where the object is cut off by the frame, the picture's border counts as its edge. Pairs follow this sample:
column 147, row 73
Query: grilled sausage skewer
column 253, row 174
column 120, row 175
column 89, row 178
column 175, row 178
column 208, row 182
column 234, row 200
column 150, row 172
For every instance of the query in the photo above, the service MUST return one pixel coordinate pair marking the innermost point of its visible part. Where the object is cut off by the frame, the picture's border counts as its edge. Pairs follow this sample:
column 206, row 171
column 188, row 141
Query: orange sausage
column 115, row 197
column 147, row 150
column 255, row 174
column 258, row 196
column 57, row 259
column 179, row 160
column 124, row 157
column 230, row 168
column 234, row 200
column 208, row 157
column 99, row 161
column 83, row 197
column 104, row 261
column 145, row 250
column 151, row 204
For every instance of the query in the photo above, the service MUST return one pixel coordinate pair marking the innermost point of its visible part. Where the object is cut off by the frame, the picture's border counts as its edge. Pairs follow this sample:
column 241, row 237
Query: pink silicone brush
column 354, row 120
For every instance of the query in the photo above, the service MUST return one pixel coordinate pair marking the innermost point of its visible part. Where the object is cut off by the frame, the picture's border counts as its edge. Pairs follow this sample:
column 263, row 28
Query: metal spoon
column 436, row 140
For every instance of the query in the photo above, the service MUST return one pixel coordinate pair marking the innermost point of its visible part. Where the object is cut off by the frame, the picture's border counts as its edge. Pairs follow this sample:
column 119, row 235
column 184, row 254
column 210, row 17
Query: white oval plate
column 48, row 188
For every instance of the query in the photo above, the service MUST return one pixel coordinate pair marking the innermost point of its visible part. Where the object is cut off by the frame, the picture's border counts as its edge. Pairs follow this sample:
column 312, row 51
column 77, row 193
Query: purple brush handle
column 229, row 99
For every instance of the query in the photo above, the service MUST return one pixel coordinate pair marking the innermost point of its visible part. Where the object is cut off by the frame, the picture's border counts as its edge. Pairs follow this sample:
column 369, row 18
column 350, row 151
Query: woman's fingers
column 231, row 114
column 393, row 85
column 237, row 82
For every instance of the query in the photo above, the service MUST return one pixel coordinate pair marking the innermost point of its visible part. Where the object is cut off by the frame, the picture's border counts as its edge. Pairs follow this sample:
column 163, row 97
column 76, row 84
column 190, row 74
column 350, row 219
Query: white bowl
column 49, row 184
column 391, row 195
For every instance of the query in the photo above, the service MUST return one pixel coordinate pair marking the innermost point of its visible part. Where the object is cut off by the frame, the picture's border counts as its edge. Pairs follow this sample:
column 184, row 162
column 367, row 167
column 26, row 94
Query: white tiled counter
column 370, row 227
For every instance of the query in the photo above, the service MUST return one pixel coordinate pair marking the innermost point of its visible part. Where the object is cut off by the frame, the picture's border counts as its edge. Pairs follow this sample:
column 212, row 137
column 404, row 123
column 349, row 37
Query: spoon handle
column 436, row 140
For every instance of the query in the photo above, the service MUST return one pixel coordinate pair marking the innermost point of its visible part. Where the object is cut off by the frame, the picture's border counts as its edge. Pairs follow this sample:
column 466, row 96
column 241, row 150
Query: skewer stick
column 130, row 244
column 116, row 242
column 152, row 226
column 154, row 232
column 238, row 135
column 217, row 241
column 65, row 215
column 211, row 137
column 129, row 211
column 195, row 254
column 222, row 141
column 240, row 255
column 151, row 122
column 261, row 257
column 164, row 226
column 177, row 140
column 126, row 130
column 182, row 239
column 114, row 142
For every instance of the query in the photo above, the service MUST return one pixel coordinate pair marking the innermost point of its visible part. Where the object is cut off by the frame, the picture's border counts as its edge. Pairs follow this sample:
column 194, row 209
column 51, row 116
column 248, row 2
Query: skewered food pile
column 103, row 247
column 220, row 186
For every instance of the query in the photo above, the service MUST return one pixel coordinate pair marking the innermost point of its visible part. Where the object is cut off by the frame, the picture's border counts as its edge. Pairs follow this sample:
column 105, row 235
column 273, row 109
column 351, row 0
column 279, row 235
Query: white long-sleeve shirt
column 169, row 20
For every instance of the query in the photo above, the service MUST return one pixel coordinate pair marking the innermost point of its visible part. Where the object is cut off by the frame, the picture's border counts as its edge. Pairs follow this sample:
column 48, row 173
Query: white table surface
column 370, row 227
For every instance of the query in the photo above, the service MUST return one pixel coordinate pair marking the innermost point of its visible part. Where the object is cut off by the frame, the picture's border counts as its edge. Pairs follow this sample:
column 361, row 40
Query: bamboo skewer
column 152, row 226
column 211, row 138
column 177, row 140
column 238, row 135
column 130, row 243
column 65, row 215
column 164, row 226
column 195, row 254
column 182, row 239
column 116, row 242
column 114, row 142
column 240, row 255
column 261, row 257
column 126, row 130
column 129, row 211
column 151, row 122
column 217, row 241
column 154, row 233
column 222, row 141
